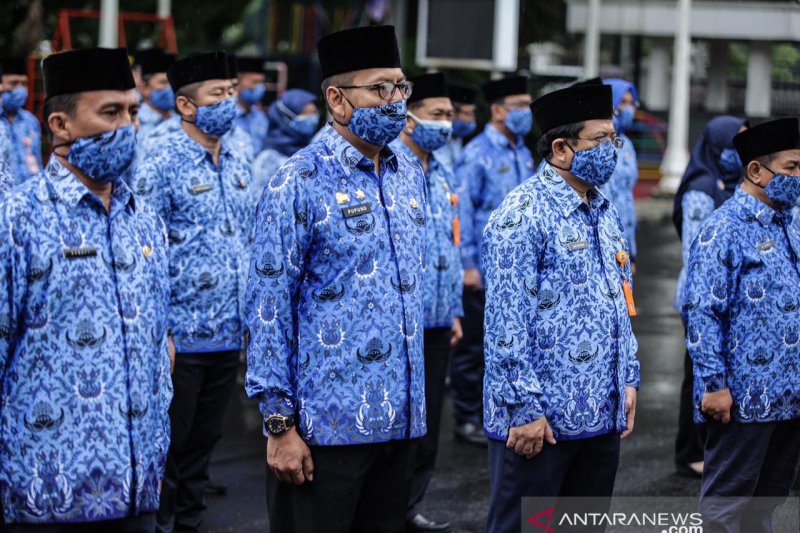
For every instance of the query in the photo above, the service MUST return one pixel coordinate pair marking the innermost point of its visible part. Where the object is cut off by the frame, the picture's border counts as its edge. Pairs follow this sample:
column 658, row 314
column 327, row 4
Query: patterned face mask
column 596, row 165
column 519, row 121
column 378, row 125
column 163, row 99
column 14, row 99
column 216, row 119
column 305, row 125
column 104, row 157
column 253, row 95
column 783, row 190
column 463, row 128
column 730, row 162
column 430, row 135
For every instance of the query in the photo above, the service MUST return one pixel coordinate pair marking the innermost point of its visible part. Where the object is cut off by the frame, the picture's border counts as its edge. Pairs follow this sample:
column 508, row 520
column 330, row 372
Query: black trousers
column 466, row 365
column 691, row 437
column 571, row 468
column 202, row 385
column 361, row 488
column 144, row 523
column 744, row 461
column 437, row 350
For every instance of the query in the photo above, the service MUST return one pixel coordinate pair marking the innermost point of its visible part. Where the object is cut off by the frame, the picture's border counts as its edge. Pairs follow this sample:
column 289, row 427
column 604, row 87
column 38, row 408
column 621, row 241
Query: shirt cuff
column 520, row 415
column 633, row 378
column 277, row 405
column 468, row 261
column 713, row 383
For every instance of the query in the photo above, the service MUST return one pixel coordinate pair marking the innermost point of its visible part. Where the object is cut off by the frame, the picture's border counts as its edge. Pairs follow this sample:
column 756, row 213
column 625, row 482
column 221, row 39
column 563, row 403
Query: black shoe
column 420, row 523
column 471, row 434
column 216, row 487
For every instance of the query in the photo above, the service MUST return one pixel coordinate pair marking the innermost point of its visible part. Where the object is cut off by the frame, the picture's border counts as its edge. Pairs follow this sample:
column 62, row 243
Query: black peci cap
column 499, row 89
column 428, row 86
column 195, row 68
column 251, row 64
column 462, row 94
column 768, row 138
column 358, row 49
column 154, row 61
column 574, row 104
column 89, row 69
column 14, row 65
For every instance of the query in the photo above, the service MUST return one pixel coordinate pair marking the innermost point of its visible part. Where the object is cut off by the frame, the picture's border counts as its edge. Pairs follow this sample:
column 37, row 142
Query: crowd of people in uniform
column 178, row 224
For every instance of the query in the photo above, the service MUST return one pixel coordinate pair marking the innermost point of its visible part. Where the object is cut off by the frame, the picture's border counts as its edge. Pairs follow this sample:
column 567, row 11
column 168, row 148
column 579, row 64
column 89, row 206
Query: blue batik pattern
column 619, row 190
column 742, row 310
column 155, row 141
column 444, row 279
column 265, row 166
column 697, row 206
column 84, row 425
column 6, row 179
column 335, row 299
column 25, row 151
column 450, row 154
column 490, row 169
column 149, row 119
column 208, row 212
column 255, row 124
column 558, row 339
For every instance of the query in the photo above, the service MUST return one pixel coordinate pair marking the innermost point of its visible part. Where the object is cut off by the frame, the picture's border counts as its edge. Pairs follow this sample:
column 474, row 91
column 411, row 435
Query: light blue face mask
column 595, row 165
column 253, row 95
column 623, row 119
column 216, row 119
column 519, row 121
column 730, row 161
column 430, row 135
column 463, row 128
column 14, row 99
column 305, row 125
column 163, row 99
column 105, row 157
column 377, row 125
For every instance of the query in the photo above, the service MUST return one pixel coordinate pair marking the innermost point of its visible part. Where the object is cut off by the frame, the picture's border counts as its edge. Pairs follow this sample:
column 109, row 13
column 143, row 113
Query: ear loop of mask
column 351, row 105
column 566, row 143
column 747, row 177
column 195, row 106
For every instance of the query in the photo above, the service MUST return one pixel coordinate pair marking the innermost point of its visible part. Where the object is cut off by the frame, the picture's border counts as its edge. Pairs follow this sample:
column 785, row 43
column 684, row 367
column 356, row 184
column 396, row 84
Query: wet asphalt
column 460, row 488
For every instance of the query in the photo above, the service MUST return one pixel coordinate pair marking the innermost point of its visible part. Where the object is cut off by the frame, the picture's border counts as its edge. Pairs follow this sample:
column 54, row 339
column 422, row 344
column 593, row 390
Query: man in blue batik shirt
column 743, row 328
column 494, row 162
column 202, row 190
column 561, row 367
column 429, row 125
column 158, row 100
column 6, row 179
column 335, row 304
column 464, row 98
column 22, row 126
column 251, row 117
column 84, row 362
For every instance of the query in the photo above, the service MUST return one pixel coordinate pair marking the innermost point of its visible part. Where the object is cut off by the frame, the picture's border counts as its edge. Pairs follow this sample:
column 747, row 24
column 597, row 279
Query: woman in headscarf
column 711, row 177
column 619, row 189
column 293, row 119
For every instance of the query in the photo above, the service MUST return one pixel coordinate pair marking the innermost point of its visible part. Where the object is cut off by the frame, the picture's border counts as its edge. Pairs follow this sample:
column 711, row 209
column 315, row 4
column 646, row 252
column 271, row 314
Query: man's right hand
column 718, row 405
column 289, row 458
column 528, row 440
column 472, row 279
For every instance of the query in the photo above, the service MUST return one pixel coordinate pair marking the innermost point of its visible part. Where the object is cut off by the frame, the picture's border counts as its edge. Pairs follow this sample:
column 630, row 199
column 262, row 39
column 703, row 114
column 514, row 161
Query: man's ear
column 336, row 103
column 57, row 123
column 559, row 148
column 754, row 172
column 185, row 107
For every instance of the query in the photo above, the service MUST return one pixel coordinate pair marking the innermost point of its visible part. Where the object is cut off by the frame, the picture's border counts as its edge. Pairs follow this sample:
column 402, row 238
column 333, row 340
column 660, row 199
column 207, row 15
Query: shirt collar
column 500, row 140
column 194, row 150
column 564, row 195
column 755, row 208
column 350, row 158
column 69, row 190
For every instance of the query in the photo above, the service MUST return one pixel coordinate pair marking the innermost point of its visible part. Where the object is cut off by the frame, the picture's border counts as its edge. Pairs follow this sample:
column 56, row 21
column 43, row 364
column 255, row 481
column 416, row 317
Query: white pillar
column 676, row 156
column 717, row 94
column 164, row 8
column 759, row 80
column 656, row 94
column 109, row 15
column 591, row 43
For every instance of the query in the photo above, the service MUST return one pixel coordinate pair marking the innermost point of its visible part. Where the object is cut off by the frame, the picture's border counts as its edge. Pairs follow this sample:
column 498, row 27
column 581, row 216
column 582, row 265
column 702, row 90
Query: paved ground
column 459, row 492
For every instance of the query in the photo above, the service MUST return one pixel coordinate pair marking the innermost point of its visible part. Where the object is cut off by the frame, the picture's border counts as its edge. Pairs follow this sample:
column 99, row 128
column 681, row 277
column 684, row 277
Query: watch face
column 276, row 425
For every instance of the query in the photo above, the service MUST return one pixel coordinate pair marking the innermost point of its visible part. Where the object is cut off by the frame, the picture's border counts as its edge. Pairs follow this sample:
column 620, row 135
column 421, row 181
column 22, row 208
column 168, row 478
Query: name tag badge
column 578, row 245
column 765, row 246
column 503, row 169
column 80, row 253
column 356, row 210
column 201, row 188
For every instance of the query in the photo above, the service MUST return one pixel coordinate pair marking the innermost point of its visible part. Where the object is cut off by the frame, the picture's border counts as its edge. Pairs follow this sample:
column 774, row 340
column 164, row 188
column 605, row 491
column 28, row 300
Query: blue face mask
column 463, row 128
column 596, row 165
column 623, row 119
column 378, row 125
column 783, row 190
column 163, row 99
column 305, row 125
column 730, row 162
column 104, row 157
column 519, row 121
column 14, row 99
column 253, row 95
column 216, row 119
column 430, row 135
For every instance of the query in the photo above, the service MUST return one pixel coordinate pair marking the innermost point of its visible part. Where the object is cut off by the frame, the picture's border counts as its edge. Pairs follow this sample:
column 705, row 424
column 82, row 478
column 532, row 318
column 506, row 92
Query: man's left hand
column 630, row 409
column 457, row 332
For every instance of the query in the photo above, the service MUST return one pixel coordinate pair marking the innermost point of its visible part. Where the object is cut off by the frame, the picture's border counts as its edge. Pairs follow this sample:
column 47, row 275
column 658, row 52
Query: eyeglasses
column 386, row 90
column 617, row 142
